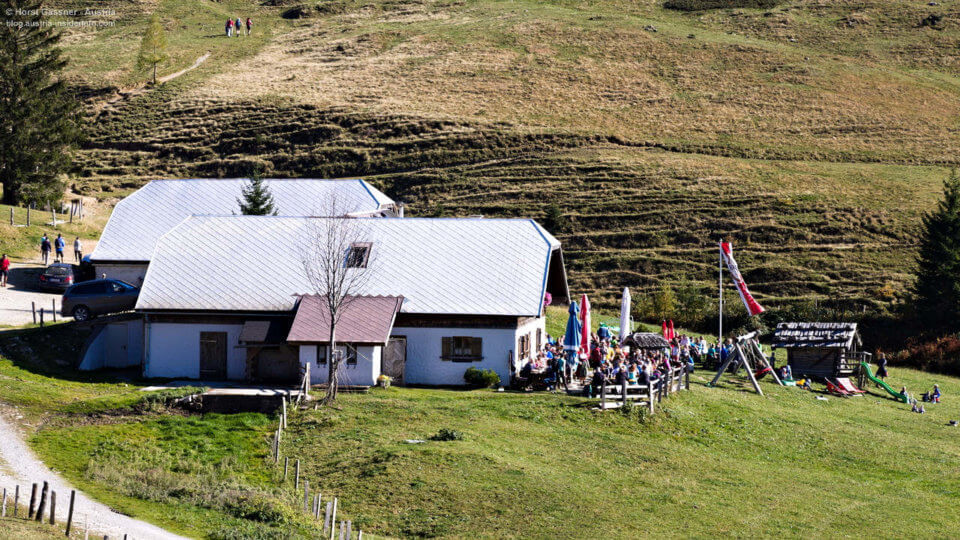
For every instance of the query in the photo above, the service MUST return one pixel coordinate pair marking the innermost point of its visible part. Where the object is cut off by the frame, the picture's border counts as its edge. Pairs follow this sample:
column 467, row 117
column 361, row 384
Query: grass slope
column 813, row 134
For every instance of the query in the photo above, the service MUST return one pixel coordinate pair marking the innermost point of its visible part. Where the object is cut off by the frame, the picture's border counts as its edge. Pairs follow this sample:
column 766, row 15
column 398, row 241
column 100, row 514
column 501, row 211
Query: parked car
column 57, row 276
column 89, row 299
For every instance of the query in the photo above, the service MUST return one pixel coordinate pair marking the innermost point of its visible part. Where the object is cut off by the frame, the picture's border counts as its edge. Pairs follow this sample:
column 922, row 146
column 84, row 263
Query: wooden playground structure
column 747, row 354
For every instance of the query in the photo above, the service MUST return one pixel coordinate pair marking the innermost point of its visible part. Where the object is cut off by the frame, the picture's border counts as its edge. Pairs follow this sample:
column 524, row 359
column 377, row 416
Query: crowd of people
column 606, row 360
column 58, row 245
column 236, row 27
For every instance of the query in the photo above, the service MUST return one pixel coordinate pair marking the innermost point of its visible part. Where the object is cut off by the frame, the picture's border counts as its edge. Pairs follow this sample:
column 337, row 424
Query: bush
column 940, row 355
column 481, row 378
column 700, row 5
column 446, row 434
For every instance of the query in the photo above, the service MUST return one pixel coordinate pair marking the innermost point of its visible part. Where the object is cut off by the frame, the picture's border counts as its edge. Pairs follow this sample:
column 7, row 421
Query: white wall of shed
column 424, row 348
column 364, row 373
column 174, row 350
column 118, row 345
column 130, row 273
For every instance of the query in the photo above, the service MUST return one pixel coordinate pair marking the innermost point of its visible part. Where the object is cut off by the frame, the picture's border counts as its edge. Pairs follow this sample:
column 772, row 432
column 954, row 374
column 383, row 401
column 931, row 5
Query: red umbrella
column 666, row 331
column 585, row 324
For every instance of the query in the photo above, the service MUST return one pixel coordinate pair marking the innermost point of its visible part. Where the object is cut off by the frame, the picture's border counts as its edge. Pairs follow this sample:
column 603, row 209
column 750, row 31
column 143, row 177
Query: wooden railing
column 612, row 395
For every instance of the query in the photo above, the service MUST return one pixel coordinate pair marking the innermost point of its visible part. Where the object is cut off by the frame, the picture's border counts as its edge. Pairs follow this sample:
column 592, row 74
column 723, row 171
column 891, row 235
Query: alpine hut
column 820, row 349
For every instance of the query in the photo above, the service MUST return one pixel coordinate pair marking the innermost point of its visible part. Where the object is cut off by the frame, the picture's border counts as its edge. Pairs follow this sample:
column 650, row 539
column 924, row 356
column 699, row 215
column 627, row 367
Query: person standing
column 882, row 367
column 60, row 244
column 249, row 25
column 229, row 27
column 45, row 249
column 4, row 269
column 77, row 250
column 238, row 26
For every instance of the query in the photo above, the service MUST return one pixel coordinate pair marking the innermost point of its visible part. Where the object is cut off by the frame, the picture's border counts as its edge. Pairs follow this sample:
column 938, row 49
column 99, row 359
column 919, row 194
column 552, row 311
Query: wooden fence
column 43, row 510
column 24, row 216
column 647, row 395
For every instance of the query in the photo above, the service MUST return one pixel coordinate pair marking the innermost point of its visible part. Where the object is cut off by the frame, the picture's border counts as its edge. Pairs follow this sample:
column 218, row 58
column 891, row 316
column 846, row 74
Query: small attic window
column 359, row 254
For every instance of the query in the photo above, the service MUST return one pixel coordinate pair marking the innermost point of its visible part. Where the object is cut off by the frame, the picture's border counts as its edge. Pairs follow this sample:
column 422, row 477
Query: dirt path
column 124, row 95
column 195, row 65
column 21, row 292
column 18, row 466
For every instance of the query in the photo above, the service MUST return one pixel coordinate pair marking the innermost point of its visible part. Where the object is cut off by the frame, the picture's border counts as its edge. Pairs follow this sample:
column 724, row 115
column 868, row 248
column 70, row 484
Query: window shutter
column 476, row 347
column 446, row 352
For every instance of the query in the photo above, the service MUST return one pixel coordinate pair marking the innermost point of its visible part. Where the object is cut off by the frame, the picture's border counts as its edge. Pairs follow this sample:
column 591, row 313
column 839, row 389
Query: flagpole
column 720, row 286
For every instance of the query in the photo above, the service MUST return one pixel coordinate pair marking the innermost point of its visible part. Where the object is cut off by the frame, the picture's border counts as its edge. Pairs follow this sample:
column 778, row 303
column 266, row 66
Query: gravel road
column 15, row 298
column 18, row 465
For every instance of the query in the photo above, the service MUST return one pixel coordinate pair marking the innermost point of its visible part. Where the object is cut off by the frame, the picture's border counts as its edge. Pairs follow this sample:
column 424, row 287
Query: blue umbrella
column 571, row 339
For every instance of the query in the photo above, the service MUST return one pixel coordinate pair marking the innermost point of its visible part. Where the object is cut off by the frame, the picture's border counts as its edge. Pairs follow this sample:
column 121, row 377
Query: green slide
column 900, row 397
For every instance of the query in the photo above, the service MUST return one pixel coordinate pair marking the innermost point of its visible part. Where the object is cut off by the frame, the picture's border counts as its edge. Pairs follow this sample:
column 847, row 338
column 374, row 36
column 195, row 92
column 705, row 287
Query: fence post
column 306, row 496
column 296, row 482
column 43, row 499
column 33, row 308
column 333, row 519
column 28, row 215
column 603, row 394
column 326, row 517
column 650, row 394
column 686, row 385
column 53, row 212
column 3, row 513
column 349, row 529
column 73, row 494
column 53, row 311
column 286, row 463
column 16, row 499
column 41, row 317
column 53, row 507
column 33, row 501
column 317, row 506
column 623, row 390
column 11, row 216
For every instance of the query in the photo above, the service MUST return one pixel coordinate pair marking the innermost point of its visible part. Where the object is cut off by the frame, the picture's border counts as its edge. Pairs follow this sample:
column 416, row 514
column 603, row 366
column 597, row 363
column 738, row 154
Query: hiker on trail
column 249, row 25
column 45, row 249
column 882, row 367
column 4, row 270
column 229, row 27
column 78, row 250
column 239, row 26
column 60, row 243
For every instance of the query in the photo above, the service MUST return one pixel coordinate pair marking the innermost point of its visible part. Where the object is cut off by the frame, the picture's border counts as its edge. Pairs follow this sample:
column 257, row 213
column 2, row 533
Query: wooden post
column 313, row 509
column 603, row 394
column 11, row 216
column 286, row 464
column 650, row 394
column 53, row 507
column 687, row 376
column 3, row 513
column 349, row 529
column 360, row 535
column 73, row 494
column 16, row 499
column 53, row 212
column 317, row 506
column 41, row 317
column 28, row 215
column 284, row 400
column 623, row 390
column 326, row 517
column 33, row 308
column 296, row 482
column 33, row 501
column 53, row 311
column 343, row 529
column 43, row 501
column 306, row 496
column 333, row 519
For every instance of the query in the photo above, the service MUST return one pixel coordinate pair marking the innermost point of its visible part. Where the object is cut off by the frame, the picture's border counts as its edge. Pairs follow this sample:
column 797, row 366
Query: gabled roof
column 139, row 220
column 821, row 335
column 444, row 266
column 363, row 319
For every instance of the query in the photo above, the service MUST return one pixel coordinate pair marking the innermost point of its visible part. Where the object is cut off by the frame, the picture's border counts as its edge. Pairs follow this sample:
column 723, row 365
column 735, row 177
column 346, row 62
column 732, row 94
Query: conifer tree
column 257, row 200
column 937, row 288
column 39, row 118
column 153, row 47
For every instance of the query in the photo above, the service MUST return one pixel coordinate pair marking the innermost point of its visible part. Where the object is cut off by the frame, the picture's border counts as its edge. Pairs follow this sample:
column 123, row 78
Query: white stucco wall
column 131, row 273
column 364, row 373
column 424, row 347
column 173, row 350
column 117, row 345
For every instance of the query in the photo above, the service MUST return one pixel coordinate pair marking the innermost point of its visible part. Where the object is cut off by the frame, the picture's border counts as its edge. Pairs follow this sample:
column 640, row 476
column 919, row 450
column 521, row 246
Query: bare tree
column 337, row 261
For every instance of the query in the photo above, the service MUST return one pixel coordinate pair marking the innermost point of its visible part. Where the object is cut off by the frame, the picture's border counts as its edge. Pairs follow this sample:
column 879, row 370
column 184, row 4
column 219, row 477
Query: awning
column 363, row 319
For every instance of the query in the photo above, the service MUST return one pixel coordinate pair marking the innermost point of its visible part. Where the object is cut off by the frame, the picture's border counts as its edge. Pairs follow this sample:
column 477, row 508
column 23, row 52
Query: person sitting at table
column 527, row 369
column 632, row 374
column 596, row 382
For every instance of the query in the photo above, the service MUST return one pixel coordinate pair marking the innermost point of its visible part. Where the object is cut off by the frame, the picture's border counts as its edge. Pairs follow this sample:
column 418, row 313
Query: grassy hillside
column 812, row 134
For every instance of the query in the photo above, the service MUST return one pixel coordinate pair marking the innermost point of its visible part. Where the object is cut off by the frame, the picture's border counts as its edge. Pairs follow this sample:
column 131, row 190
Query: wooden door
column 213, row 355
column 394, row 359
column 117, row 337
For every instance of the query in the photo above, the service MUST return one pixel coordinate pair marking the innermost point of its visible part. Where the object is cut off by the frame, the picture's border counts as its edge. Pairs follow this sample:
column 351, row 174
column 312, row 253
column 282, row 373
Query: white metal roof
column 439, row 265
column 139, row 220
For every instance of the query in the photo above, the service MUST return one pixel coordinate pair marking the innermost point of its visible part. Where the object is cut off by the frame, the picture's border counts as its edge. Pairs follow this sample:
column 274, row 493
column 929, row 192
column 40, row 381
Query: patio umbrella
column 584, row 324
column 665, row 330
column 571, row 339
column 625, row 325
column 673, row 334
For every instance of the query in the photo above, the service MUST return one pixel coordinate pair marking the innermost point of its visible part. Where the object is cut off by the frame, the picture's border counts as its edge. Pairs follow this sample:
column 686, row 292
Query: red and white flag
column 726, row 250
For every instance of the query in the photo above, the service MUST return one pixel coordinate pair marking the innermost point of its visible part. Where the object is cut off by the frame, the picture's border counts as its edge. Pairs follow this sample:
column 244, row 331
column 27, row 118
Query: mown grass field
column 712, row 461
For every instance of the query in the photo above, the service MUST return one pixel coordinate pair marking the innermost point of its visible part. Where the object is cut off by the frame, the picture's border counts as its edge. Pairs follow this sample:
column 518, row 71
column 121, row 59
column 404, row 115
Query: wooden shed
column 820, row 349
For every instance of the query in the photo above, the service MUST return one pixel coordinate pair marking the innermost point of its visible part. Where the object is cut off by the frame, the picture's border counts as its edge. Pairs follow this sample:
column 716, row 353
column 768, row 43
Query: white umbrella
column 625, row 326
